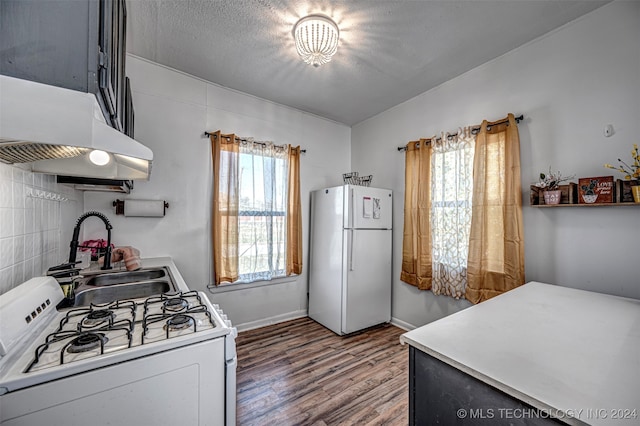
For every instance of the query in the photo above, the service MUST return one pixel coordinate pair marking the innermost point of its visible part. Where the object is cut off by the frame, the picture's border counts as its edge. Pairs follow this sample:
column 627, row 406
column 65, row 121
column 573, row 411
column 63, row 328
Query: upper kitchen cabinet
column 78, row 45
column 111, row 65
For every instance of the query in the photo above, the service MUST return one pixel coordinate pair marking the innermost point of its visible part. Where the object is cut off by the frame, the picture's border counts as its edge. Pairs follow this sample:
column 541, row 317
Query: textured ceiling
column 389, row 51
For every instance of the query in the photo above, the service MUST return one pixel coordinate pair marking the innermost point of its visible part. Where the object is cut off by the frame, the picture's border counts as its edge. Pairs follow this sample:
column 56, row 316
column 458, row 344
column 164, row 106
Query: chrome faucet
column 76, row 234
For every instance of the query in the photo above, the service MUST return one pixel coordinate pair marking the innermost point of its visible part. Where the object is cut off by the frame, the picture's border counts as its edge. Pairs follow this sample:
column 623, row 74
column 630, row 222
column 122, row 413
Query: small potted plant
column 550, row 183
column 631, row 172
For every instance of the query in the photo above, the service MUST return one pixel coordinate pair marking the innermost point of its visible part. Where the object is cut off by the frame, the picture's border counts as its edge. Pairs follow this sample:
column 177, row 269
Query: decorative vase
column 552, row 197
column 635, row 190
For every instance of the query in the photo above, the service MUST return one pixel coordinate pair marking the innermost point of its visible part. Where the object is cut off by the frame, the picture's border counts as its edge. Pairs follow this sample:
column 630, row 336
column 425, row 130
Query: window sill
column 227, row 287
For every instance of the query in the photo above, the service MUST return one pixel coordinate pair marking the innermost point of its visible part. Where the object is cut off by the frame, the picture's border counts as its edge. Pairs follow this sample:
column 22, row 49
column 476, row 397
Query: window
column 256, row 221
column 438, row 211
column 262, row 212
column 450, row 218
column 463, row 233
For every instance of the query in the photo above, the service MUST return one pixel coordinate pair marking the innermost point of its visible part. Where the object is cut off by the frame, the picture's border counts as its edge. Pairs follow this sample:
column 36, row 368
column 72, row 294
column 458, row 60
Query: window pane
column 261, row 247
column 262, row 215
column 451, row 192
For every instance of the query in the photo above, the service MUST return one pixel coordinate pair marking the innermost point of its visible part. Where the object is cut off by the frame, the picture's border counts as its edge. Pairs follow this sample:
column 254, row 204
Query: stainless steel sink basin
column 106, row 287
column 135, row 290
column 125, row 277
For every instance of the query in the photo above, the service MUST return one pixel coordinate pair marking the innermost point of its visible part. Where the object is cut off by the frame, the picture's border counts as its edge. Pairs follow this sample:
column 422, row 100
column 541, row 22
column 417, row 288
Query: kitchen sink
column 112, row 278
column 135, row 290
column 105, row 286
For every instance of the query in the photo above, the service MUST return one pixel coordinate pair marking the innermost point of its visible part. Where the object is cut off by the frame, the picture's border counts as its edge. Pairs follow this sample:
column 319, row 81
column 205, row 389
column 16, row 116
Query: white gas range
column 167, row 359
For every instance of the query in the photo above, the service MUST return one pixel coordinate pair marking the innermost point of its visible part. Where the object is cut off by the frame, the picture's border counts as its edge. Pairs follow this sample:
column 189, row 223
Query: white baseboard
column 301, row 314
column 401, row 324
column 271, row 320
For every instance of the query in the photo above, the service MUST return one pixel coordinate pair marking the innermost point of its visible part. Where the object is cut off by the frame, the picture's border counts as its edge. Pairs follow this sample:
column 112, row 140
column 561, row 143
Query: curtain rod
column 476, row 129
column 303, row 151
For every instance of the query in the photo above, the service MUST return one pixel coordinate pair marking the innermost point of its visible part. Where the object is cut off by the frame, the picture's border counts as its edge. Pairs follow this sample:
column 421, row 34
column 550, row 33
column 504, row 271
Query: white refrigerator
column 350, row 257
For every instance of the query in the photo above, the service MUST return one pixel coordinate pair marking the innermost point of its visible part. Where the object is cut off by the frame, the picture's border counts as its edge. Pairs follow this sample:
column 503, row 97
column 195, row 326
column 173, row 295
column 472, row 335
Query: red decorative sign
column 596, row 190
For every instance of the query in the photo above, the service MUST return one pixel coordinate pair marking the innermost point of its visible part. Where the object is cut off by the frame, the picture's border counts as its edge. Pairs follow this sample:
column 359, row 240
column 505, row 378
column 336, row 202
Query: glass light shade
column 316, row 39
column 99, row 158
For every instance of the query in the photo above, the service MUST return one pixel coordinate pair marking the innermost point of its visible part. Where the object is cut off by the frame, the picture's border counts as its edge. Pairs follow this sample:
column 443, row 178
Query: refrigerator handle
column 352, row 210
column 351, row 250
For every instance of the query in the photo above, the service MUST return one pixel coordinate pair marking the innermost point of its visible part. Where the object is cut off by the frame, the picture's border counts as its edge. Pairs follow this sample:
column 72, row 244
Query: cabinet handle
column 102, row 59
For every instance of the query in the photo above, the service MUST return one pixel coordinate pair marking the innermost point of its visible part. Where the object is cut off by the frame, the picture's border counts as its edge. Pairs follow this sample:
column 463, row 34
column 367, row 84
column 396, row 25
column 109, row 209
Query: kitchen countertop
column 553, row 347
column 151, row 262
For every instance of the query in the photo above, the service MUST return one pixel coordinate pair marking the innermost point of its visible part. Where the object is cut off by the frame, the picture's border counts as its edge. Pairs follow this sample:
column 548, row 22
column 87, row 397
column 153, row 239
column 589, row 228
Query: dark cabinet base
column 440, row 394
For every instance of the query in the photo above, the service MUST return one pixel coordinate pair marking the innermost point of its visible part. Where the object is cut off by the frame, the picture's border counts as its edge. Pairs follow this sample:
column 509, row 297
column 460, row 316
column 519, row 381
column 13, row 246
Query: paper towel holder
column 119, row 205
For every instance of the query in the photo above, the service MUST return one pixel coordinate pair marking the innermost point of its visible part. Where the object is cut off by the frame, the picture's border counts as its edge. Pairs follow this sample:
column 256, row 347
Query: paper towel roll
column 144, row 208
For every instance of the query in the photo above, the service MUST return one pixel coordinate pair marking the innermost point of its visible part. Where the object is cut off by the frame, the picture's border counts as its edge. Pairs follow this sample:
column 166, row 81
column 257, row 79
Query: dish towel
column 130, row 256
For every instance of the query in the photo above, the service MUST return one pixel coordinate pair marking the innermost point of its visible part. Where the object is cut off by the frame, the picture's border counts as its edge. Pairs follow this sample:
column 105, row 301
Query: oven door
column 182, row 386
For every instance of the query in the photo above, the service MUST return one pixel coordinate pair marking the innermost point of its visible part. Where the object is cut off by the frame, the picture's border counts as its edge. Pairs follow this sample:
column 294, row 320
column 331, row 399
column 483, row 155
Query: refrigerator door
column 367, row 208
column 326, row 257
column 367, row 293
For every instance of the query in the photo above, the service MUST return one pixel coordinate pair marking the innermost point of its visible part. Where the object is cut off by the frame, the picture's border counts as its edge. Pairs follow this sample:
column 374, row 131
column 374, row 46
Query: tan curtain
column 416, row 237
column 294, row 215
column 496, row 244
column 224, row 226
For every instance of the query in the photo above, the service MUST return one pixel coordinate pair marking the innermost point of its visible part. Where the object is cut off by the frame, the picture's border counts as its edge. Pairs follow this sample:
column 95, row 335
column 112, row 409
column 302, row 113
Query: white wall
column 172, row 112
column 568, row 84
column 35, row 226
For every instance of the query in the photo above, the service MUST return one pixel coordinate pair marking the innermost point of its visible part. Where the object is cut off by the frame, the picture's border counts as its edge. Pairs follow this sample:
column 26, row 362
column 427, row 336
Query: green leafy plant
column 630, row 171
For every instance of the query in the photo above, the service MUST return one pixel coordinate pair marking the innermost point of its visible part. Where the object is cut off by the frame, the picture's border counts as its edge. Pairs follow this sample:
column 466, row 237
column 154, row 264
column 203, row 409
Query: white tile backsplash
column 31, row 224
column 6, row 191
column 6, row 253
column 6, row 222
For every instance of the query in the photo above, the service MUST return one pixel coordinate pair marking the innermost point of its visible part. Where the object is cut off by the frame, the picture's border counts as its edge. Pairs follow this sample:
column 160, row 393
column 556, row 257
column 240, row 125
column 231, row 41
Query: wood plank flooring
column 300, row 373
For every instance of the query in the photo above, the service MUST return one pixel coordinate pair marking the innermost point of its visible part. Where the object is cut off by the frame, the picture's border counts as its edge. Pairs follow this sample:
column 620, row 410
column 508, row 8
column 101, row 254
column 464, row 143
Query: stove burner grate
column 88, row 331
column 82, row 341
column 173, row 323
column 100, row 315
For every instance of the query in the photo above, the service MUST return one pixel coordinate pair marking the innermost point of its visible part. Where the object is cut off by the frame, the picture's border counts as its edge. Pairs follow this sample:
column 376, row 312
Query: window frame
column 243, row 278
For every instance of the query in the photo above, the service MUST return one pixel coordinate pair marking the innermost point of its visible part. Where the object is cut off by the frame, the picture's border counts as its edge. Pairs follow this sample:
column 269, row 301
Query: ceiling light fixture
column 316, row 39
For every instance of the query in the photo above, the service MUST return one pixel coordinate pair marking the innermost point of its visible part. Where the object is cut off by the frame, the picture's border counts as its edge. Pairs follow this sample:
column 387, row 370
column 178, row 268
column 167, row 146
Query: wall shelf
column 569, row 196
column 545, row 206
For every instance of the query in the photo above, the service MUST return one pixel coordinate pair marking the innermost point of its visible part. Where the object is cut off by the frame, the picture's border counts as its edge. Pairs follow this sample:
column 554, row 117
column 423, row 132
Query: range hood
column 54, row 130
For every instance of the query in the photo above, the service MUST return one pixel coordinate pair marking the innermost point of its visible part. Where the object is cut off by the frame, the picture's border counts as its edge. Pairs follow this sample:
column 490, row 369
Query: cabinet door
column 112, row 59
column 50, row 42
column 121, row 54
column 442, row 394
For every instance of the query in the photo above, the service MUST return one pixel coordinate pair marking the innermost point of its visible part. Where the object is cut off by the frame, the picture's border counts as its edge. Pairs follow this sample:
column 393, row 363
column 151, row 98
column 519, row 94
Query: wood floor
column 300, row 373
